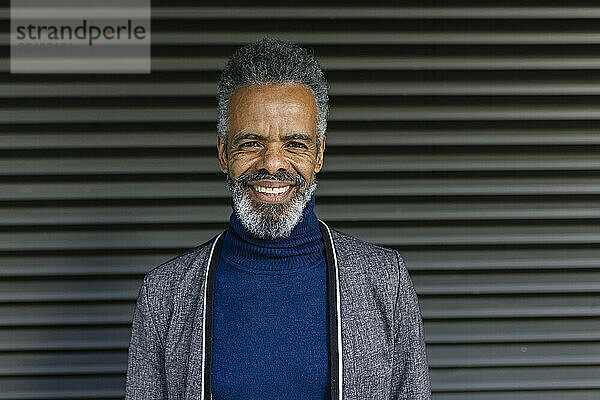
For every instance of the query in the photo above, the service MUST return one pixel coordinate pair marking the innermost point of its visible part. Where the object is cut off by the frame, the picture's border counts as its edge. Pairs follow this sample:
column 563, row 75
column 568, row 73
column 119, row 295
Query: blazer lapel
column 335, row 324
column 197, row 384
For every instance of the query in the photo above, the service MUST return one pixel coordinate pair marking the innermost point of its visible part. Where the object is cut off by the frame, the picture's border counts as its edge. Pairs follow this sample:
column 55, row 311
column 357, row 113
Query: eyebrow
column 245, row 136
column 298, row 136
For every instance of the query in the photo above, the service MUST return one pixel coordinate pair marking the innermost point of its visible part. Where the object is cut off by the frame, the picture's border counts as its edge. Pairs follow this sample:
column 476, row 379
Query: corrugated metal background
column 465, row 137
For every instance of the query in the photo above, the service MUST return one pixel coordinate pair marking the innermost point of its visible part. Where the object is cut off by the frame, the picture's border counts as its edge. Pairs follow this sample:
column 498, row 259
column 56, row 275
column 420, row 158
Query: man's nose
column 272, row 160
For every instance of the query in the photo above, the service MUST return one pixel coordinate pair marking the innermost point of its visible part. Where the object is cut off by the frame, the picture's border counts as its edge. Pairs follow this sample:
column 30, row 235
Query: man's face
column 271, row 155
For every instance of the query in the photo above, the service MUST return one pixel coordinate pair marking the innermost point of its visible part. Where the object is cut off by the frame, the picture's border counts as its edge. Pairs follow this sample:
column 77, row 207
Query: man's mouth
column 271, row 191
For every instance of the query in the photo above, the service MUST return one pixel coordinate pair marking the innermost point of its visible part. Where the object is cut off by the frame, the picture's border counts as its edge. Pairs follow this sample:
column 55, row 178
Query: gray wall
column 467, row 138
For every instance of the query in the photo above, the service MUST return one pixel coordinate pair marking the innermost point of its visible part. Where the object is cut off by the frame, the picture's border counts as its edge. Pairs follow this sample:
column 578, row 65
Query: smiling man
column 273, row 151
column 279, row 306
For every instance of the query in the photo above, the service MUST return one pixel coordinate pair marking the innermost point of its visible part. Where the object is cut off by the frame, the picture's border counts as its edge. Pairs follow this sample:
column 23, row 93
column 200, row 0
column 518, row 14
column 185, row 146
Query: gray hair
column 272, row 60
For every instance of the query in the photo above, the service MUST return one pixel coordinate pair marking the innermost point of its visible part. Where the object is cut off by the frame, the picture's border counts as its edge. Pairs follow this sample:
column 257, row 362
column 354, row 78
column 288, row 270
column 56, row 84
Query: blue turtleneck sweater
column 270, row 336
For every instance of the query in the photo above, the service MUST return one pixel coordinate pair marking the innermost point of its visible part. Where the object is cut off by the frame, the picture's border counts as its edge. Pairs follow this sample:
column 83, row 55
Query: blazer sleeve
column 146, row 379
column 410, row 373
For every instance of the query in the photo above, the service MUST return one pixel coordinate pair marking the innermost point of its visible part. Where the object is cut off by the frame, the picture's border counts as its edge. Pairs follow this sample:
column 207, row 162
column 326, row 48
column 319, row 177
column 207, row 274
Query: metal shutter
column 465, row 137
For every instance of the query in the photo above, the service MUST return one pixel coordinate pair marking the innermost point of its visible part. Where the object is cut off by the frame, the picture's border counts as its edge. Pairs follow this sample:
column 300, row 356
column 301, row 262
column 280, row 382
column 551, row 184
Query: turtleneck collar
column 304, row 247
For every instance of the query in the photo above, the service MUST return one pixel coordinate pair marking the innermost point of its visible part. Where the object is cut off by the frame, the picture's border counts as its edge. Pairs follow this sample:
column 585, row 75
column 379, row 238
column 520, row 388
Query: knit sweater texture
column 270, row 337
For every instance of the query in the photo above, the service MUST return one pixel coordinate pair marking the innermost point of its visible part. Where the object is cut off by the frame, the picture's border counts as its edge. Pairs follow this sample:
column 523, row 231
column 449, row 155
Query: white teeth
column 271, row 190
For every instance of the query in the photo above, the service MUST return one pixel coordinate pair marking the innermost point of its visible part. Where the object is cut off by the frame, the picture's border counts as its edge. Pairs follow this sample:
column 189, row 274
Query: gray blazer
column 374, row 319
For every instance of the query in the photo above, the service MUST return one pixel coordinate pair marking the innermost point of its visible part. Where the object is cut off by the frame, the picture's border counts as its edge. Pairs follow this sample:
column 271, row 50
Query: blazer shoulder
column 356, row 256
column 368, row 270
column 178, row 266
column 163, row 283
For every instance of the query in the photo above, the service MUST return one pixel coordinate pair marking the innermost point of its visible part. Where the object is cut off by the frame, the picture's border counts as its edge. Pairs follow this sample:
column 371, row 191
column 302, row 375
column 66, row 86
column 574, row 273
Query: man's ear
column 320, row 153
column 222, row 150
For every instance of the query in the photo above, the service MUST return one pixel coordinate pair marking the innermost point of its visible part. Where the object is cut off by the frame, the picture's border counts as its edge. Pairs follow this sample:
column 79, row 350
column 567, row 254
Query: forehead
column 273, row 103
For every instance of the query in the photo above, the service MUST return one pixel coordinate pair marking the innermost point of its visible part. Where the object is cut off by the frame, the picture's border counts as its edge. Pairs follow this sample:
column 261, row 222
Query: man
column 279, row 306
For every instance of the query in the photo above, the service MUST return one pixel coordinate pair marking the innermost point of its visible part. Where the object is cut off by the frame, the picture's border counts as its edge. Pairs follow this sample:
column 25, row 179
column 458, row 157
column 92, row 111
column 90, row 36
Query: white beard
column 270, row 221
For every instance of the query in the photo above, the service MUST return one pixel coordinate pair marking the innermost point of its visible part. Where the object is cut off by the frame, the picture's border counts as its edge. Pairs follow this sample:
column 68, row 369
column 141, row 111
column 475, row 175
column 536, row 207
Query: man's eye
column 249, row 144
column 298, row 145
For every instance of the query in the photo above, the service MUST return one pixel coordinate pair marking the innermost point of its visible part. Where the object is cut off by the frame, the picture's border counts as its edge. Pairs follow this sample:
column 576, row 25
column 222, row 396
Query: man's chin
column 269, row 220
